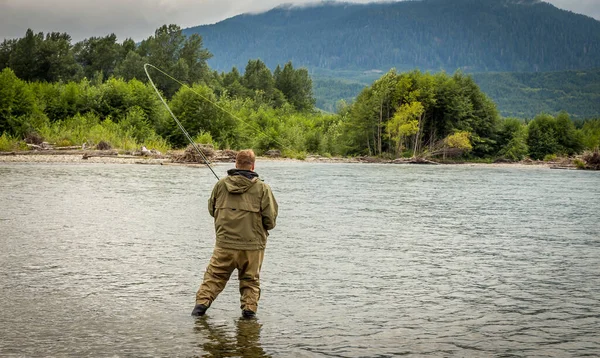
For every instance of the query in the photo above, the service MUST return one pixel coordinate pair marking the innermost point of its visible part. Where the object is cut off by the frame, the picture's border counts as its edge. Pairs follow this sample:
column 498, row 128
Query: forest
column 96, row 90
column 431, row 35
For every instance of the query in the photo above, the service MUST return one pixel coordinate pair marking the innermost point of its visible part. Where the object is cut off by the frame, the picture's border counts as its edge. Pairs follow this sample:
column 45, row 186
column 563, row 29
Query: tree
column 511, row 139
column 99, row 54
column 17, row 102
column 296, row 86
column 569, row 139
column 57, row 60
column 457, row 143
column 405, row 124
column 6, row 49
column 195, row 58
column 25, row 57
column 193, row 108
column 132, row 67
column 591, row 134
column 541, row 137
column 182, row 58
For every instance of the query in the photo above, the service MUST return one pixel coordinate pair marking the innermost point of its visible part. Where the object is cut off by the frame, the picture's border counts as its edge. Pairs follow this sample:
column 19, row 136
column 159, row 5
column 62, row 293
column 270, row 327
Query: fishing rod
column 185, row 133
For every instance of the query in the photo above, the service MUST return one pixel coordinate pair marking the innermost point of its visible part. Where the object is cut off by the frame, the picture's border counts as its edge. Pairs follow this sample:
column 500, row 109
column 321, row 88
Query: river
column 367, row 260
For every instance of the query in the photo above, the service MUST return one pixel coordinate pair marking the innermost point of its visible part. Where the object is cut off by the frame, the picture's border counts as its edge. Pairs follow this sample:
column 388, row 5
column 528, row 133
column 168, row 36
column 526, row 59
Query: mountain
column 524, row 95
column 434, row 35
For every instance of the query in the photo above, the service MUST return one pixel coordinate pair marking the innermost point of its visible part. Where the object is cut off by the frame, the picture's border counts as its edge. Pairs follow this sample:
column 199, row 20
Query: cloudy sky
column 139, row 18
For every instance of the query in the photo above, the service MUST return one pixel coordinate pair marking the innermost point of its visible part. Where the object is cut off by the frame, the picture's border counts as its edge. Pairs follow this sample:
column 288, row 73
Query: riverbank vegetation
column 96, row 91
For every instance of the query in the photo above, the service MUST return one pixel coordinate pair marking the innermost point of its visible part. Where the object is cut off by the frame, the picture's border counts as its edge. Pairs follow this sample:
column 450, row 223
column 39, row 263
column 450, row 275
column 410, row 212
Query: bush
column 204, row 138
column 580, row 164
column 158, row 143
column 292, row 154
column 550, row 157
column 9, row 143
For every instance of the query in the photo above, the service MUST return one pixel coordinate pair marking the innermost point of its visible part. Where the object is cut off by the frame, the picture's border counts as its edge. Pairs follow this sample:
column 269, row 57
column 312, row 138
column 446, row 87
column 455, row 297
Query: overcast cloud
column 139, row 18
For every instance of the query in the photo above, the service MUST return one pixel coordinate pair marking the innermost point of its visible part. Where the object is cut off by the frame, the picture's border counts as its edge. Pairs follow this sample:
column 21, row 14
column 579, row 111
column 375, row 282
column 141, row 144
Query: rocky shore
column 112, row 157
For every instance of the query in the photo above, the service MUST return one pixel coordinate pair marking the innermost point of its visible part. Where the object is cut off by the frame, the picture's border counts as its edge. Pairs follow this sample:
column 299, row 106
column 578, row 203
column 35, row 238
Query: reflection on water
column 366, row 261
column 245, row 342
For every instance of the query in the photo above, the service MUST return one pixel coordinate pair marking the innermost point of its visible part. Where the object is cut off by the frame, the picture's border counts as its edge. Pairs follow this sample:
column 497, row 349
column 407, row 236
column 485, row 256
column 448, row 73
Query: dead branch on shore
column 190, row 155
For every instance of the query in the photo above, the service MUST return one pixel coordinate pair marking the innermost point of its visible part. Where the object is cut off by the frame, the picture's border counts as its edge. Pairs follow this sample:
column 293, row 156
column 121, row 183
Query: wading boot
column 199, row 310
column 248, row 314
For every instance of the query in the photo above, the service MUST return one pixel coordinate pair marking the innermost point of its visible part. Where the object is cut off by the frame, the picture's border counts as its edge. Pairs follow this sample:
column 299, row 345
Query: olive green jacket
column 244, row 210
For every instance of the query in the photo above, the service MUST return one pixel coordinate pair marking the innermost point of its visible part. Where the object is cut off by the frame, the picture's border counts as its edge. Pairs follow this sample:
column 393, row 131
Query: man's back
column 244, row 209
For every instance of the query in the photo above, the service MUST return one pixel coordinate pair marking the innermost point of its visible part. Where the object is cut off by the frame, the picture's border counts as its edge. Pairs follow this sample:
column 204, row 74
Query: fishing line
column 175, row 118
column 251, row 125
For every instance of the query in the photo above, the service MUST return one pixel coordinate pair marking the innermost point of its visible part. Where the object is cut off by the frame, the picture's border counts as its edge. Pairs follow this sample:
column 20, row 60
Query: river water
column 367, row 260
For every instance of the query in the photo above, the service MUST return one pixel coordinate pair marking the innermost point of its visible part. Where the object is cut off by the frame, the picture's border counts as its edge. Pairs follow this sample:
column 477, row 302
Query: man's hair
column 245, row 159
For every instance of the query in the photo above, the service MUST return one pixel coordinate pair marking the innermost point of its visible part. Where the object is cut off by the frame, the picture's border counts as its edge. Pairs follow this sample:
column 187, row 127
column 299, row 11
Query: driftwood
column 592, row 160
column 68, row 148
column 34, row 147
column 273, row 153
column 48, row 152
column 99, row 154
column 414, row 161
column 190, row 155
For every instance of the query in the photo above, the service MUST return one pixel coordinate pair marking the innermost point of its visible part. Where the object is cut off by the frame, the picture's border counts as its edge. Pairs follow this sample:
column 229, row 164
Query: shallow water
column 366, row 261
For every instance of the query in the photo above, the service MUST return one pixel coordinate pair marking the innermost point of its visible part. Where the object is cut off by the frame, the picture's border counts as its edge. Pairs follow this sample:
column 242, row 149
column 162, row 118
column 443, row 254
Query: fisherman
column 244, row 210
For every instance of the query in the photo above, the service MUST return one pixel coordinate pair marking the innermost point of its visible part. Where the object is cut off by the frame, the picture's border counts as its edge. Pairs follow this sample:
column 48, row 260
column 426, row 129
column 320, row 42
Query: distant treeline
column 72, row 99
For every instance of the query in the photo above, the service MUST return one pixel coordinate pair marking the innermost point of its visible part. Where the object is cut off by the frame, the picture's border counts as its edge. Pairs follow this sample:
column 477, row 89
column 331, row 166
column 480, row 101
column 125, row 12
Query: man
column 244, row 209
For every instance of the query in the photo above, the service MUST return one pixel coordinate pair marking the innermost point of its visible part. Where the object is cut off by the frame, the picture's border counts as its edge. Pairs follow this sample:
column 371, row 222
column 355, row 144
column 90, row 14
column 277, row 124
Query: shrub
column 550, row 157
column 204, row 138
column 580, row 164
column 9, row 143
column 64, row 143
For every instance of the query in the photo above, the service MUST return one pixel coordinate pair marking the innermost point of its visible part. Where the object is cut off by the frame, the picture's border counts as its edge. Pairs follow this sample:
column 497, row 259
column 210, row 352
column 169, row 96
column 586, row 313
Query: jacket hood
column 239, row 181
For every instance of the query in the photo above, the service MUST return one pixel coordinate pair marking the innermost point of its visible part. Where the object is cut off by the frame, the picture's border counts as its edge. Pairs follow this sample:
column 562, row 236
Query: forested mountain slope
column 472, row 35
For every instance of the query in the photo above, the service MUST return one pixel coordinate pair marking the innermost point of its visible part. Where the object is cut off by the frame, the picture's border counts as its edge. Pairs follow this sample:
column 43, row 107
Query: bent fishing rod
column 185, row 133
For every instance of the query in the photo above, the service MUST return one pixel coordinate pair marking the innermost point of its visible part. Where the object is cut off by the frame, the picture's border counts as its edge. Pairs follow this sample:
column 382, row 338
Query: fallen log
column 68, row 148
column 104, row 153
column 49, row 152
column 414, row 161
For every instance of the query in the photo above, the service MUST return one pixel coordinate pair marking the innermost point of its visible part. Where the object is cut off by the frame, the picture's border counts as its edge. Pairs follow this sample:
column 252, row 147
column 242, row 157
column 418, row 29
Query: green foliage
column 294, row 154
column 9, row 143
column 195, row 109
column 38, row 58
column 296, row 86
column 204, row 138
column 418, row 110
column 525, row 95
column 580, row 164
column 553, row 135
column 99, row 55
column 550, row 157
column 17, row 104
column 591, row 134
column 541, row 137
column 182, row 57
column 570, row 140
column 129, row 134
column 459, row 140
column 511, row 139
